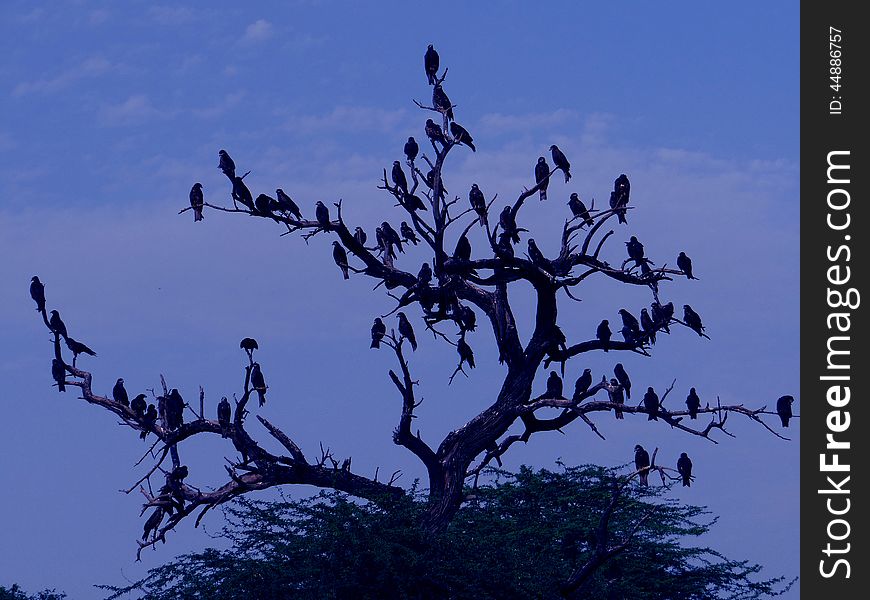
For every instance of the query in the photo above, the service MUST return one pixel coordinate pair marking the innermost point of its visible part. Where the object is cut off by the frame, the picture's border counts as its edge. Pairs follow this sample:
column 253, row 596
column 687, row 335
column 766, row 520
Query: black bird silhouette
column 391, row 236
column 641, row 461
column 465, row 352
column 635, row 250
column 249, row 345
column 408, row 234
column 58, row 373
column 693, row 403
column 507, row 222
column 406, row 331
column 174, row 410
column 398, row 177
column 503, row 248
column 153, row 521
column 119, row 393
column 542, row 170
column 425, row 274
column 536, row 256
column 617, row 397
column 629, row 321
column 463, row 249
column 434, row 132
column 461, row 135
column 340, row 258
column 258, row 382
column 384, row 245
column 660, row 320
column 414, row 202
column 378, row 332
column 579, row 210
column 322, row 214
column 685, row 265
column 196, row 201
column 648, row 327
column 693, row 320
column 603, row 333
column 478, row 203
column 581, row 386
column 137, row 405
column 227, row 165
column 554, row 386
column 56, row 324
column 77, row 348
column 560, row 161
column 411, row 149
column 651, row 404
column 360, row 236
column 265, row 204
column 684, row 468
column 148, row 420
column 286, row 204
column 467, row 319
column 783, row 409
column 668, row 312
column 623, row 379
column 242, row 194
column 619, row 197
column 441, row 102
column 37, row 292
column 224, row 413
column 430, row 63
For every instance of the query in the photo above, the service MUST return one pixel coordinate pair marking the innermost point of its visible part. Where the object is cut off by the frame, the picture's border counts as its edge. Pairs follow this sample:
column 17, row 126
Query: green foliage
column 16, row 593
column 519, row 536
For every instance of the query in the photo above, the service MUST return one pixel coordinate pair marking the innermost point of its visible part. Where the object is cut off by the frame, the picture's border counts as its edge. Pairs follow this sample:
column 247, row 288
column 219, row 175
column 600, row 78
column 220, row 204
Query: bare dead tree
column 451, row 294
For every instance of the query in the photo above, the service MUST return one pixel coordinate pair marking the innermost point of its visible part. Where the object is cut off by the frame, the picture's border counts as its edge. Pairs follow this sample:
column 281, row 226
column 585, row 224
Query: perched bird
column 322, row 214
column 340, row 257
column 461, row 135
column 430, row 63
column 137, row 405
column 693, row 403
column 659, row 317
column 478, row 203
column 617, row 397
column 623, row 379
column 286, row 204
column 651, row 404
column 507, row 222
column 242, row 194
column 561, row 162
column 58, row 373
column 174, row 410
column 258, row 382
column 398, row 177
column 385, row 247
column 37, row 292
column 581, row 386
column 406, row 331
column 635, row 250
column 360, row 236
column 542, row 172
column 119, row 393
column 693, row 320
column 629, row 321
column 536, row 256
column 434, row 132
column 196, row 201
column 463, row 249
column 408, row 234
column 467, row 319
column 249, row 345
column 668, row 312
column 77, row 348
column 264, row 204
column 148, row 420
column 554, row 386
column 411, row 149
column 685, row 265
column 603, row 333
column 783, row 409
column 579, row 210
column 465, row 352
column 441, row 102
column 684, row 468
column 56, row 324
column 641, row 463
column 414, row 202
column 648, row 327
column 227, row 165
column 153, row 522
column 378, row 332
column 392, row 236
column 619, row 196
column 425, row 274
column 224, row 413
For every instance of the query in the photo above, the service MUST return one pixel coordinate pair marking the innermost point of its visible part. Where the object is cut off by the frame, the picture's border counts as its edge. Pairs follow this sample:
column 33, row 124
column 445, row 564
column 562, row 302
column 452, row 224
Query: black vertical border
column 821, row 133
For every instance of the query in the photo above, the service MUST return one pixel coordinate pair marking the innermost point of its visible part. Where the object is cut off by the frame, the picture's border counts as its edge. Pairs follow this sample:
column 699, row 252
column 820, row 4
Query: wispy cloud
column 171, row 15
column 90, row 67
column 349, row 118
column 229, row 102
column 98, row 16
column 258, row 31
column 135, row 109
column 498, row 123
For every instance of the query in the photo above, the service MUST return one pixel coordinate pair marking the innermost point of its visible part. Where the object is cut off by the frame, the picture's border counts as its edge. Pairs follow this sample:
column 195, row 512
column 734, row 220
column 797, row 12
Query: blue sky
column 112, row 111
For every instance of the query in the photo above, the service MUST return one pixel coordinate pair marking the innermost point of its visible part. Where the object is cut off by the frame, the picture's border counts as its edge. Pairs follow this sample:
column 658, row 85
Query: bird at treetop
column 249, row 345
column 58, row 373
column 119, row 393
column 441, row 102
column 425, row 274
column 378, row 332
column 581, row 386
column 660, row 321
column 478, row 203
column 684, row 468
column 467, row 320
column 340, row 258
column 783, row 409
column 174, row 409
column 554, row 386
column 406, row 331
column 77, row 348
column 242, row 194
column 616, row 396
column 391, row 236
column 648, row 327
column 623, row 379
column 635, row 250
column 264, row 204
column 536, row 256
column 408, row 234
column 507, row 222
column 286, row 204
column 463, row 249
column 227, row 165
column 561, row 162
column 461, row 135
column 579, row 210
column 693, row 403
column 153, row 522
column 693, row 320
column 641, row 461
column 258, row 382
column 148, row 420
column 56, row 324
column 37, row 292
column 430, row 63
column 629, row 320
column 398, row 177
column 322, row 214
column 619, row 196
column 542, row 172
column 434, row 132
column 685, row 265
column 603, row 333
column 196, row 201
column 224, row 413
column 411, row 149
column 651, row 404
column 465, row 352
column 414, row 202
column 360, row 236
column 137, row 405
